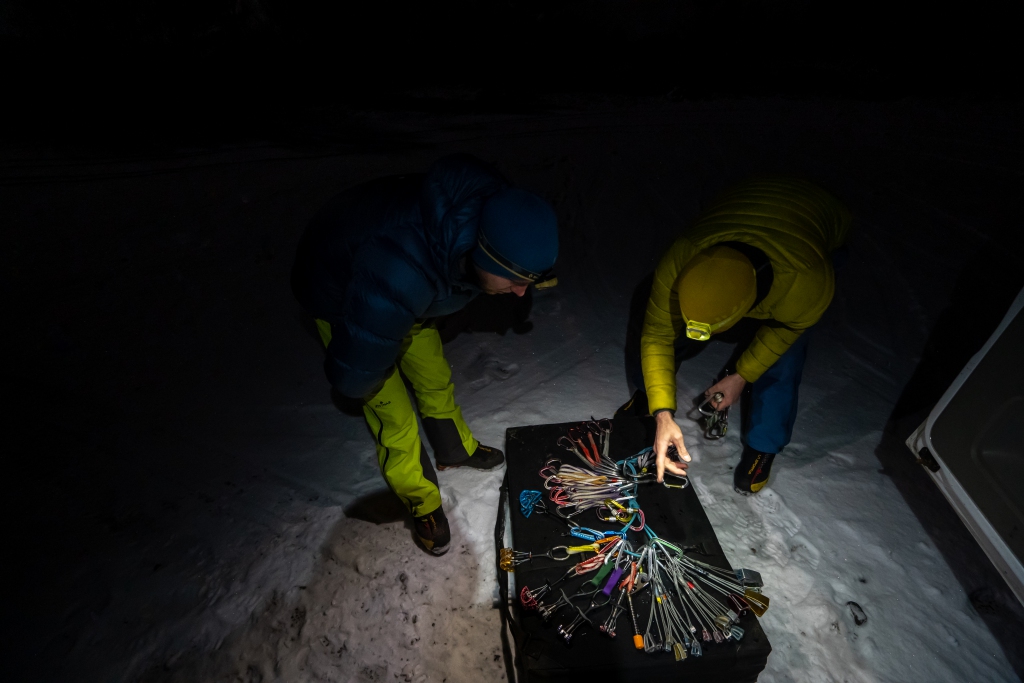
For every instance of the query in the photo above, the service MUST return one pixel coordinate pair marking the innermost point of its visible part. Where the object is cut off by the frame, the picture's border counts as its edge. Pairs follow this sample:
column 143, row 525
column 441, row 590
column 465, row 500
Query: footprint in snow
column 487, row 368
column 842, row 459
column 804, row 551
column 747, row 522
column 776, row 548
column 499, row 370
column 449, row 501
column 774, row 512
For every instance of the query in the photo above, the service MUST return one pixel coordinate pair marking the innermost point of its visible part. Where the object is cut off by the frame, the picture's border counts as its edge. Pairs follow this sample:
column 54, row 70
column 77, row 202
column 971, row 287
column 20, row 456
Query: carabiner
column 716, row 422
column 551, row 553
column 550, row 468
column 568, row 444
column 575, row 447
column 567, row 517
column 588, row 534
column 685, row 480
column 611, row 516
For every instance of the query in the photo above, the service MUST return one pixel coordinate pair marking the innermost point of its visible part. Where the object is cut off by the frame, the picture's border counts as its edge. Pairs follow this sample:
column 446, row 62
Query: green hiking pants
column 392, row 421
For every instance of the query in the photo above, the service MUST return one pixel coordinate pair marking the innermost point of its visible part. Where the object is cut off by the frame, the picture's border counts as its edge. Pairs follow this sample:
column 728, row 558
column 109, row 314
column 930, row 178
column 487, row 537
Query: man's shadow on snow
column 379, row 507
column 382, row 507
column 984, row 290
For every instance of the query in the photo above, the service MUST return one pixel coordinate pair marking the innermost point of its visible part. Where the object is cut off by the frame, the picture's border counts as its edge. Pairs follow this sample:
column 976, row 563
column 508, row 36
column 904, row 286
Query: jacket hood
column 453, row 195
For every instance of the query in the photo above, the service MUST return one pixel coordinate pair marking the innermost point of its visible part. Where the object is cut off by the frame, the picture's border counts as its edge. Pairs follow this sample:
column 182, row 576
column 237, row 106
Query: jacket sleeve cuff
column 748, row 368
column 658, row 400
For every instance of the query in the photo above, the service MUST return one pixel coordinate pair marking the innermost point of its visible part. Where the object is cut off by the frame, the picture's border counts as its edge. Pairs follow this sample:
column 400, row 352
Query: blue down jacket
column 384, row 254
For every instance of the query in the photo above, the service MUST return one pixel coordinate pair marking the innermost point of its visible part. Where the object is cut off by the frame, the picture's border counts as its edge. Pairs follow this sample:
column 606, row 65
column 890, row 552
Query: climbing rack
column 693, row 604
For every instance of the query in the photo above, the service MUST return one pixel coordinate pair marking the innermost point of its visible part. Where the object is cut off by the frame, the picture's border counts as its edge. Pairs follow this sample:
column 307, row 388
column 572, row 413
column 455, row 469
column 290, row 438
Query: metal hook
column 716, row 422
column 567, row 517
column 685, row 482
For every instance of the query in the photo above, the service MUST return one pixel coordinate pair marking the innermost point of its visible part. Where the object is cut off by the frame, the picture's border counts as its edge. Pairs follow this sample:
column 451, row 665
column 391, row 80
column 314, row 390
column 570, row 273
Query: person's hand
column 731, row 387
column 669, row 434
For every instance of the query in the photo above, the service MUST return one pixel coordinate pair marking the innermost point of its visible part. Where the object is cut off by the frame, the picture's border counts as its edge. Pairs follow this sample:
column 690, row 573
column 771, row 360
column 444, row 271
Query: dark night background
column 163, row 72
column 113, row 92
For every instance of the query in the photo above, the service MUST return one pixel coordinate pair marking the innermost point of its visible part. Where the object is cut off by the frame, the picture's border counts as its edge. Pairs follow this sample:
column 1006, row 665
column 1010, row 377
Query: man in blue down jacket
column 376, row 265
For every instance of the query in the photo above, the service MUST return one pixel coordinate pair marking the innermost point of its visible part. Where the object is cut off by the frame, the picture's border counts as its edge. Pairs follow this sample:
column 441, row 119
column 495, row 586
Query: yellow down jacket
column 796, row 224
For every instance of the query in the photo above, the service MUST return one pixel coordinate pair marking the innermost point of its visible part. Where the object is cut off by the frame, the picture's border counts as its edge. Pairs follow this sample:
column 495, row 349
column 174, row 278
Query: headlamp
column 698, row 331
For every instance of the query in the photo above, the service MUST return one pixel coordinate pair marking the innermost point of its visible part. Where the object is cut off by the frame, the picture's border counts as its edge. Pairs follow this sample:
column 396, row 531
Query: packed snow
column 196, row 508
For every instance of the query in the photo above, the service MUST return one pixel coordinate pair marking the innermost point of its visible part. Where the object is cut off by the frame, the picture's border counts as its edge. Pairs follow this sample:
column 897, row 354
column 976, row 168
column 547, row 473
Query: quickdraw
column 716, row 422
column 588, row 534
column 578, row 437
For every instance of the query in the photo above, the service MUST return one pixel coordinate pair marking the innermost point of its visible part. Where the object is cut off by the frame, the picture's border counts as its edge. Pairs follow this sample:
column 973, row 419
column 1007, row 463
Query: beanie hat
column 517, row 236
column 716, row 288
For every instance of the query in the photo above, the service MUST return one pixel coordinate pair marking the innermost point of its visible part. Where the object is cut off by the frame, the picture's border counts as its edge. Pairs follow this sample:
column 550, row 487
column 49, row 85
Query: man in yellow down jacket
column 761, row 251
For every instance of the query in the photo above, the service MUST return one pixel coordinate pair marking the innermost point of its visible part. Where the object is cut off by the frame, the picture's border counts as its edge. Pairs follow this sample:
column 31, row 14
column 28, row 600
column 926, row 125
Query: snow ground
column 194, row 508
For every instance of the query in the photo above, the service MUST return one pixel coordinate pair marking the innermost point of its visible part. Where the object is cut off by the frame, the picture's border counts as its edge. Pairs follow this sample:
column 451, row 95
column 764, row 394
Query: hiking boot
column 433, row 532
column 636, row 406
column 753, row 471
column 484, row 458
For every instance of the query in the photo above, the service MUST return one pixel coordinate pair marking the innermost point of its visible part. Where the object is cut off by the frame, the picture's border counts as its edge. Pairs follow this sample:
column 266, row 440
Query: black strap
column 762, row 267
column 508, row 624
